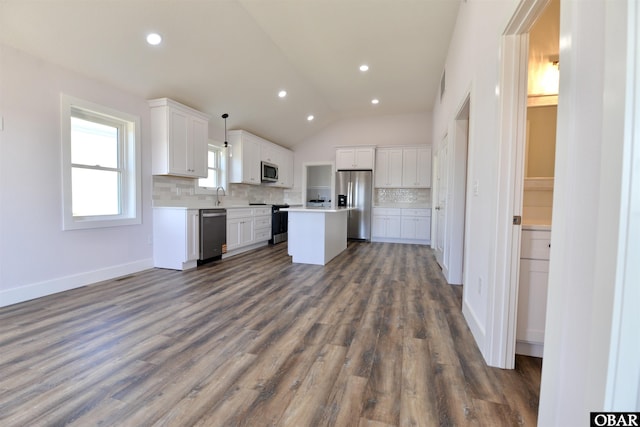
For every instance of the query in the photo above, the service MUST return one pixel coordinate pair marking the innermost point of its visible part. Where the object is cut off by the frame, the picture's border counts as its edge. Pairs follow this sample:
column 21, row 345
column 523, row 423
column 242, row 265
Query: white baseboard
column 61, row 284
column 397, row 240
column 529, row 349
column 247, row 248
column 477, row 330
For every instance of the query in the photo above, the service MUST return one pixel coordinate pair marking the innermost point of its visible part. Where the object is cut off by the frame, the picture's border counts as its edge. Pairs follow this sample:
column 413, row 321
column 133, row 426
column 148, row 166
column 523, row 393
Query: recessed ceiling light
column 154, row 39
column 282, row 93
column 364, row 67
column 375, row 101
column 310, row 117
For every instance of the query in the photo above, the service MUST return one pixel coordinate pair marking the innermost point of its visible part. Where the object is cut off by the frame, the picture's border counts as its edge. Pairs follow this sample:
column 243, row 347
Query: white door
column 440, row 204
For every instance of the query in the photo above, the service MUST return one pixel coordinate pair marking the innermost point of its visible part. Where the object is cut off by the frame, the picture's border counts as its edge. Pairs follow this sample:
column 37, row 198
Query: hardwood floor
column 374, row 338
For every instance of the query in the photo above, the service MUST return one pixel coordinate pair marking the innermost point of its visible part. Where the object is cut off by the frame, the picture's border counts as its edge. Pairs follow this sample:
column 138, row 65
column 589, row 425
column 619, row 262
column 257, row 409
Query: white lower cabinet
column 247, row 228
column 401, row 225
column 532, row 292
column 386, row 223
column 176, row 240
column 262, row 224
column 416, row 225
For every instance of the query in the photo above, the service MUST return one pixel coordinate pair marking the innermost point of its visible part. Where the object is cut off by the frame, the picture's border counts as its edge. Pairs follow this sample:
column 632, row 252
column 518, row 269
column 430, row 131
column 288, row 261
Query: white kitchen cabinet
column 239, row 228
column 244, row 157
column 179, row 136
column 385, row 223
column 176, row 240
column 247, row 228
column 532, row 291
column 269, row 152
column 262, row 224
column 416, row 225
column 350, row 158
column 247, row 151
column 388, row 171
column 401, row 225
column 284, row 160
column 416, row 167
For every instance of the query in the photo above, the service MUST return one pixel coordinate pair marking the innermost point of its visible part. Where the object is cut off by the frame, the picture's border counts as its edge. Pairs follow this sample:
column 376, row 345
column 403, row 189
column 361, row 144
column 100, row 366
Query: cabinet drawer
column 416, row 212
column 239, row 213
column 261, row 211
column 387, row 211
column 263, row 234
column 535, row 244
column 263, row 221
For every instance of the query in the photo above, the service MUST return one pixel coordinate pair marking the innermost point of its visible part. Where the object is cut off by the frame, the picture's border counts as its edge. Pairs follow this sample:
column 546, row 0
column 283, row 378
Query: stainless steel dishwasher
column 213, row 234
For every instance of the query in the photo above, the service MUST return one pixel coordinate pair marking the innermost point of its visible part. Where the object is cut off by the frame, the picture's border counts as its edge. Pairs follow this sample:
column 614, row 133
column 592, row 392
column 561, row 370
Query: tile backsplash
column 385, row 196
column 177, row 191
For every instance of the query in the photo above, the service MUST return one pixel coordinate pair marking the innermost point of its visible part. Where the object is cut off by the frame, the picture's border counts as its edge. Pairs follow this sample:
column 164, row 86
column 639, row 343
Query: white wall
column 472, row 67
column 589, row 157
column 405, row 129
column 36, row 256
column 586, row 268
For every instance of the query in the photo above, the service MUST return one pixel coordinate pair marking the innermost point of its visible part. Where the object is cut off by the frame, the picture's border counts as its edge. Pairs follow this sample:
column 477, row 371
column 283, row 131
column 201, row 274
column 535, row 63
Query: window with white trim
column 101, row 165
column 216, row 166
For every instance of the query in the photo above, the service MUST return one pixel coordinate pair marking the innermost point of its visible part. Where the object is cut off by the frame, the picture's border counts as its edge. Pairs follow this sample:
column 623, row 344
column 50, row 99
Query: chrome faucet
column 218, row 195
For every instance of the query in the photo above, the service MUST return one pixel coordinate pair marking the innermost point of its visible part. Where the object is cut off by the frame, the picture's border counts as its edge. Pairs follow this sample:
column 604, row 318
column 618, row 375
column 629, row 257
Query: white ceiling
column 233, row 56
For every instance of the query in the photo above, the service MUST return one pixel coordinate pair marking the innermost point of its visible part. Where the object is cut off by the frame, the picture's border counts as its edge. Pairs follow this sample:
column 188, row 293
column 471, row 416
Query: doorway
column 450, row 196
column 440, row 197
column 454, row 252
column 514, row 97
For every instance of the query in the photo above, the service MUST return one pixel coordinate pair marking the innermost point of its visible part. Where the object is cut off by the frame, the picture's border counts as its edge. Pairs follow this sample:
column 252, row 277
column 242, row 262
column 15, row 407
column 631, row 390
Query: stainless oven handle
column 211, row 215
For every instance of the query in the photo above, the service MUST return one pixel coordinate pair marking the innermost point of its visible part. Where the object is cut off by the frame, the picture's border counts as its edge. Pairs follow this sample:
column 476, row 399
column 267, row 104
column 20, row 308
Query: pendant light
column 224, row 116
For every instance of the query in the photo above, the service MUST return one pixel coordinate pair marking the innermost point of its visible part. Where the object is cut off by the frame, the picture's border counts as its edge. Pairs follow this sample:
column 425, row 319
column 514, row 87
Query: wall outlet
column 150, row 239
column 479, row 285
column 476, row 187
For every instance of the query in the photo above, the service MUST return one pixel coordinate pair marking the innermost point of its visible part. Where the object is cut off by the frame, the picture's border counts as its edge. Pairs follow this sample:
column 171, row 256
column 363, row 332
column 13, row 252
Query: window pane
column 93, row 144
column 209, row 181
column 212, row 163
column 95, row 192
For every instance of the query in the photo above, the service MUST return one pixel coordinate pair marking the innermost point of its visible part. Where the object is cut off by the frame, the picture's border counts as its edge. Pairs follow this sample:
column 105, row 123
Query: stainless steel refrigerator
column 355, row 189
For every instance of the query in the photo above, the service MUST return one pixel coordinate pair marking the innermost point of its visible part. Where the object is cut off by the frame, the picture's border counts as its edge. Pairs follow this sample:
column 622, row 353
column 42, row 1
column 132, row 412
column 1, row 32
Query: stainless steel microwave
column 269, row 172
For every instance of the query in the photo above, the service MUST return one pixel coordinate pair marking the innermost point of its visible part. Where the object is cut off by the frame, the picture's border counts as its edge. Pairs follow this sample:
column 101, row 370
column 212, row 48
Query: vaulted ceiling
column 234, row 56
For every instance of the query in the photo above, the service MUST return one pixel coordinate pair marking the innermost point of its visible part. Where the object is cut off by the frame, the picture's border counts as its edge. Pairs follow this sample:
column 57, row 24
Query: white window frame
column 129, row 161
column 222, row 168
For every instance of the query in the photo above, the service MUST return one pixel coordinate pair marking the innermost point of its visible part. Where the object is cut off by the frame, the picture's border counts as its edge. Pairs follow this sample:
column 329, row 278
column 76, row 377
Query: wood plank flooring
column 374, row 338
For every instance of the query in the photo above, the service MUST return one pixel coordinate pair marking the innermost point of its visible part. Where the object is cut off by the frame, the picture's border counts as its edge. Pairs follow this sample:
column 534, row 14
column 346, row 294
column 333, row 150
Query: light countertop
column 403, row 205
column 316, row 210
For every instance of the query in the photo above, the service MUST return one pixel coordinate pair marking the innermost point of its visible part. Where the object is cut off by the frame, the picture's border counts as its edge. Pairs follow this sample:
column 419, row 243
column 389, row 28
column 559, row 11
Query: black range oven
column 279, row 224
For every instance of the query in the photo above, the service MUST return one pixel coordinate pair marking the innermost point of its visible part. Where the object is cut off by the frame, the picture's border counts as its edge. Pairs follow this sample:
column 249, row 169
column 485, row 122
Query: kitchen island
column 316, row 235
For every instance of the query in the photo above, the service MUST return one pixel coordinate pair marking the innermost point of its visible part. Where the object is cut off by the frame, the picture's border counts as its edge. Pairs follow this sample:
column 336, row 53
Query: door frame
column 438, row 226
column 513, row 87
column 457, row 202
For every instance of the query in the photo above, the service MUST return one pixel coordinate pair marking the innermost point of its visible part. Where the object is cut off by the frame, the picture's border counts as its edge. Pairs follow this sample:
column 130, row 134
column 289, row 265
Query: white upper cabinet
column 403, row 167
column 416, row 167
column 284, row 160
column 355, row 158
column 244, row 160
column 179, row 137
column 247, row 151
column 388, row 172
column 269, row 152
